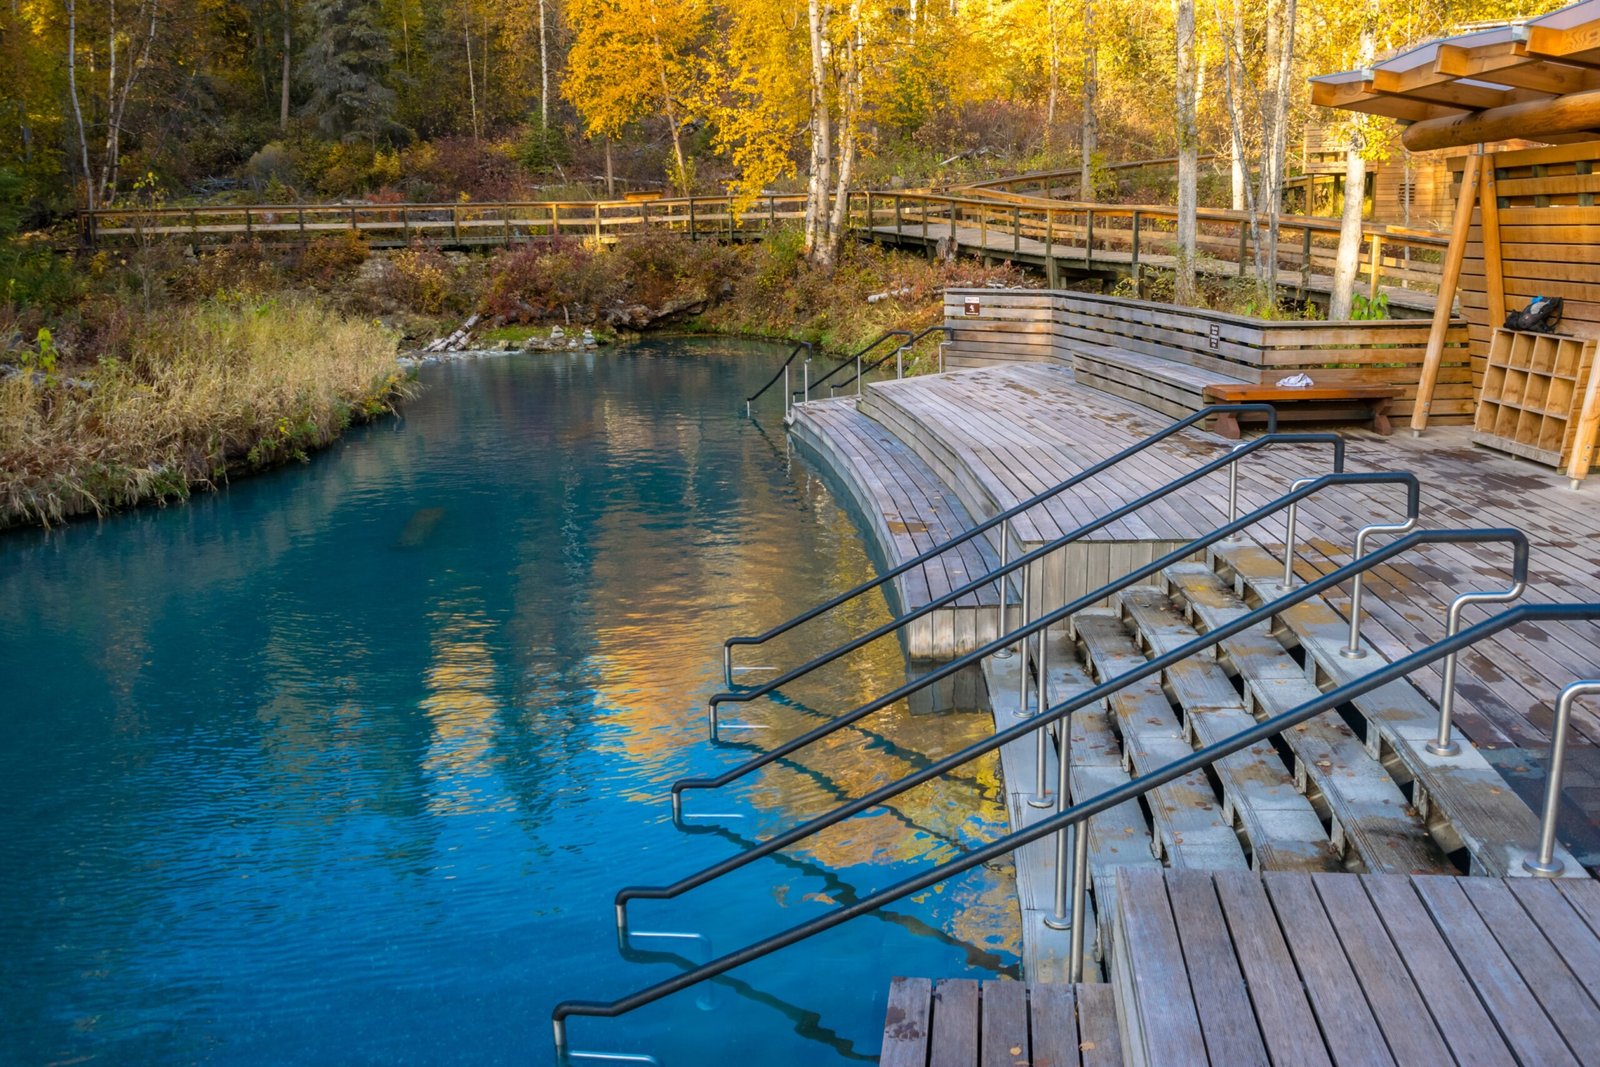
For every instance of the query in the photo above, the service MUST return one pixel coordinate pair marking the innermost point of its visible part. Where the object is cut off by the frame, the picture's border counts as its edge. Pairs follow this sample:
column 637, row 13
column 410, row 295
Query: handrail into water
column 999, row 574
column 1001, row 520
column 781, row 372
column 855, row 358
column 1035, row 722
column 1121, row 794
column 897, row 355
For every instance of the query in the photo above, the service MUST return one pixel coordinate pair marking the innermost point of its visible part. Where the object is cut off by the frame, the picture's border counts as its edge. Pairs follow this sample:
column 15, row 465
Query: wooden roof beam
column 1509, row 67
column 1445, row 91
column 1357, row 96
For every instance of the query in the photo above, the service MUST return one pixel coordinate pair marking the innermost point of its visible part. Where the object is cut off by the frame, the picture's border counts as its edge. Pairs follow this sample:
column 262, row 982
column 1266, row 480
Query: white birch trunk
column 77, row 108
column 1185, row 289
column 820, row 179
column 1347, row 261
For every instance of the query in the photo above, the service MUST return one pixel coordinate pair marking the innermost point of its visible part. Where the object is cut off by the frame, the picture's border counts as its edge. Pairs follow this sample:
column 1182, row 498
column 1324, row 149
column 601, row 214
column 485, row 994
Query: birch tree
column 1348, row 259
column 1185, row 289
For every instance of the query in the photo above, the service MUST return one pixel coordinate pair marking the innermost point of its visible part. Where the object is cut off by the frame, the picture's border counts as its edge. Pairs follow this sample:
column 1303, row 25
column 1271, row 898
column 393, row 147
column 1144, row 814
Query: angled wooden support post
column 1494, row 269
column 1453, row 257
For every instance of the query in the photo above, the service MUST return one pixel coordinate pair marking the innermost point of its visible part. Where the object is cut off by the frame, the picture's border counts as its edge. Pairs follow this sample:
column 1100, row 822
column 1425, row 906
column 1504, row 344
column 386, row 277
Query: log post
column 1447, row 295
column 1494, row 272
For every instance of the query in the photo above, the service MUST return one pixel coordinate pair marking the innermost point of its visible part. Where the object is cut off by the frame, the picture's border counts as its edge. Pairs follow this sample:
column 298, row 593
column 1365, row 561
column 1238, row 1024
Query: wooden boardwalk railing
column 990, row 221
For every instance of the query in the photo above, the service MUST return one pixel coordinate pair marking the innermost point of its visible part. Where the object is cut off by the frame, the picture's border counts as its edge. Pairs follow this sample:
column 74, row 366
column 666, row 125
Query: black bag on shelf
column 1540, row 316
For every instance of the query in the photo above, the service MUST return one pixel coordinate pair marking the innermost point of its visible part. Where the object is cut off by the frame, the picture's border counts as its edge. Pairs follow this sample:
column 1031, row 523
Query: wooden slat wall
column 1550, row 240
column 1044, row 325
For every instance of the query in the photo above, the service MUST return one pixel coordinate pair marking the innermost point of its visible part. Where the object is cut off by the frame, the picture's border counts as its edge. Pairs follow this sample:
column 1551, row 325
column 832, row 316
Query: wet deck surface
column 1507, row 684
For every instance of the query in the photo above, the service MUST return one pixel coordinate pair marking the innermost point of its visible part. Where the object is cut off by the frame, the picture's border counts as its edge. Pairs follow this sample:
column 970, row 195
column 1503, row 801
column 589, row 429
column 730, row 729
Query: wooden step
column 1045, row 951
column 1191, row 829
column 1371, row 819
column 1283, row 830
column 1465, row 802
column 958, row 1022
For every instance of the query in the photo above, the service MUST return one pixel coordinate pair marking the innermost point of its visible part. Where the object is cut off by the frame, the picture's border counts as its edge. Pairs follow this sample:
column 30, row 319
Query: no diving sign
column 971, row 305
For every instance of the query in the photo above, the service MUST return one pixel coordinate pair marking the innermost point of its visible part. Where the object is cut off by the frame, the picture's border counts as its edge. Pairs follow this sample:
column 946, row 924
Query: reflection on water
column 345, row 763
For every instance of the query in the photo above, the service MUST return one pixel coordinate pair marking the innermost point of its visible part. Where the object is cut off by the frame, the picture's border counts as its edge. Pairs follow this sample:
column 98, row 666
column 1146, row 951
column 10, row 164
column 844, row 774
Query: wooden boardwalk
column 907, row 510
column 1233, row 969
column 958, row 1022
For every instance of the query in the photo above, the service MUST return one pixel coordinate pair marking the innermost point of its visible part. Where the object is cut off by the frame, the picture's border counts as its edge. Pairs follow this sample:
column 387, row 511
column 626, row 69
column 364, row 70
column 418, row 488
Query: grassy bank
column 195, row 394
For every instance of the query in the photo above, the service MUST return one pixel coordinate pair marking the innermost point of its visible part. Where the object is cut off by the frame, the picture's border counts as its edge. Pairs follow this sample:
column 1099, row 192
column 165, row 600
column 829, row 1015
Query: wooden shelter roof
column 1542, row 74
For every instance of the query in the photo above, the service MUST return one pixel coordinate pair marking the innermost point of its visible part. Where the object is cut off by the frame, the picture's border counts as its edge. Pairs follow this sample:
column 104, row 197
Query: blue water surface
column 344, row 763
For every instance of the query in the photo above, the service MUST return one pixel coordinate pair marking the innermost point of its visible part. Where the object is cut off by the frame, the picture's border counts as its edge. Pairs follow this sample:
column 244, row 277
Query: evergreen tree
column 345, row 66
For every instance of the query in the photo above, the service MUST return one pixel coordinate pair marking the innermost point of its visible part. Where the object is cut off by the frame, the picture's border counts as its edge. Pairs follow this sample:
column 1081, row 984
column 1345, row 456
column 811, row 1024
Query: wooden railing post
column 983, row 232
column 1377, row 265
column 455, row 225
column 249, row 230
column 1016, row 230
column 1244, row 243
column 728, row 207
column 869, row 215
column 644, row 216
column 353, row 224
column 1049, row 248
column 302, row 224
column 691, row 218
column 194, row 227
column 897, row 218
column 1088, row 238
column 1305, row 261
column 1136, row 218
column 772, row 212
column 555, row 220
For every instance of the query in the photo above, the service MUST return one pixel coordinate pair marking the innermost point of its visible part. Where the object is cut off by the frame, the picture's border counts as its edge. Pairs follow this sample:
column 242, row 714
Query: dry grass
column 207, row 389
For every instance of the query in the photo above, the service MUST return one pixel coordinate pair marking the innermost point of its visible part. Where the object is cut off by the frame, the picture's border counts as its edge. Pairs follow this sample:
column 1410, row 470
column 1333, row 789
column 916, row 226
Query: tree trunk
column 1185, row 290
column 820, row 181
column 472, row 84
column 77, row 108
column 849, row 111
column 544, row 72
column 1274, row 144
column 283, row 101
column 1348, row 260
column 1090, row 139
column 1054, row 59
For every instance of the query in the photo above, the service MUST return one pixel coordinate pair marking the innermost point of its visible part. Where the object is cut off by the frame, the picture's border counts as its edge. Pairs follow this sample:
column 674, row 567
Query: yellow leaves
column 631, row 58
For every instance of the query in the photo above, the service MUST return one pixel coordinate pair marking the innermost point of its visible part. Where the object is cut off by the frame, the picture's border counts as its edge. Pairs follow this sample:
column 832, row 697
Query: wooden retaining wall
column 1043, row 325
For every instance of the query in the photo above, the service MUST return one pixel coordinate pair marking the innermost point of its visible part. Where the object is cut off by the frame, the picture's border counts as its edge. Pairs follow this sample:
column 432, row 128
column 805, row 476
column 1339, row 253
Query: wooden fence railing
column 459, row 223
column 1055, row 234
column 1096, row 236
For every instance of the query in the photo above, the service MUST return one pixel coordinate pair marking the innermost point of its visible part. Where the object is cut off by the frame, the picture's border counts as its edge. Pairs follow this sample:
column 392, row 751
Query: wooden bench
column 1318, row 403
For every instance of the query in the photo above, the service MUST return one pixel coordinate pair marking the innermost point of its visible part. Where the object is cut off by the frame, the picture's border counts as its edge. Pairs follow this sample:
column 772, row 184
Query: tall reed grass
column 205, row 390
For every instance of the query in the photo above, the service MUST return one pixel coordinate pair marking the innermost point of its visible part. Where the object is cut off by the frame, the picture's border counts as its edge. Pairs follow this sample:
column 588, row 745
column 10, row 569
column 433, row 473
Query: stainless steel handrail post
column 1353, row 649
column 788, row 395
column 1080, row 888
column 1022, row 645
column 900, row 363
column 1233, row 492
column 1288, row 536
column 858, row 375
column 1444, row 744
column 1063, row 917
column 1000, row 611
column 1545, row 862
column 805, row 379
column 1041, row 788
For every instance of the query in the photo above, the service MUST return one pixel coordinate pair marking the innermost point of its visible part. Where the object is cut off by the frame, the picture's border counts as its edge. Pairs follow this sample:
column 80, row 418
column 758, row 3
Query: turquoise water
column 344, row 763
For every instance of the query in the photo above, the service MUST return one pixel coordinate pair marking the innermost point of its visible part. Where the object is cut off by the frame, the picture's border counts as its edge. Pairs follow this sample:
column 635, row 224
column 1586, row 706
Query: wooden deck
column 1230, row 968
column 958, row 1022
column 907, row 511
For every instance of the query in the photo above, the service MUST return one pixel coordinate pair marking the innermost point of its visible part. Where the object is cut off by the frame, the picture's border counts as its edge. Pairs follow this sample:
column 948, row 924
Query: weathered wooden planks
column 999, row 1023
column 1334, row 968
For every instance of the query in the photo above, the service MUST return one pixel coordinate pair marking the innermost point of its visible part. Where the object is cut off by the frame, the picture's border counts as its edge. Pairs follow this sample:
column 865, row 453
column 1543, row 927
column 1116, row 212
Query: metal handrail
column 804, row 346
column 909, row 341
column 1036, row 722
column 989, row 524
column 1111, row 798
column 1000, row 572
column 855, row 357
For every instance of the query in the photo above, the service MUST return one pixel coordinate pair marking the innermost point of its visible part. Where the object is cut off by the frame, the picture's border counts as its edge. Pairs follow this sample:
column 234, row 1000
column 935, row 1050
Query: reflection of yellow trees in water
column 654, row 679
column 463, row 712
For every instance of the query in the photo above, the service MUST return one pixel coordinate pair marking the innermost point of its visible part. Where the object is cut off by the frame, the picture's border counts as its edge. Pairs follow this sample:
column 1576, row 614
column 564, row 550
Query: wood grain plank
column 954, row 1041
column 905, row 1025
column 1053, row 1025
column 1099, row 1040
column 1288, row 1024
column 1167, row 1025
column 1221, row 998
column 1004, row 1028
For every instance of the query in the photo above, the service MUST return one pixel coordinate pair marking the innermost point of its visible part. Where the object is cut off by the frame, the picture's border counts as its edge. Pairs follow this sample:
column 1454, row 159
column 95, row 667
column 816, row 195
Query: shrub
column 553, row 278
column 455, row 166
column 419, row 278
column 200, row 391
column 242, row 268
column 331, row 259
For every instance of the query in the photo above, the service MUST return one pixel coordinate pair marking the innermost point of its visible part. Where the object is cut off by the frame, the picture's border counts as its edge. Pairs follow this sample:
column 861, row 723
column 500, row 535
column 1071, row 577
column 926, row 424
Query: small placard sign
column 1216, row 335
column 971, row 305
